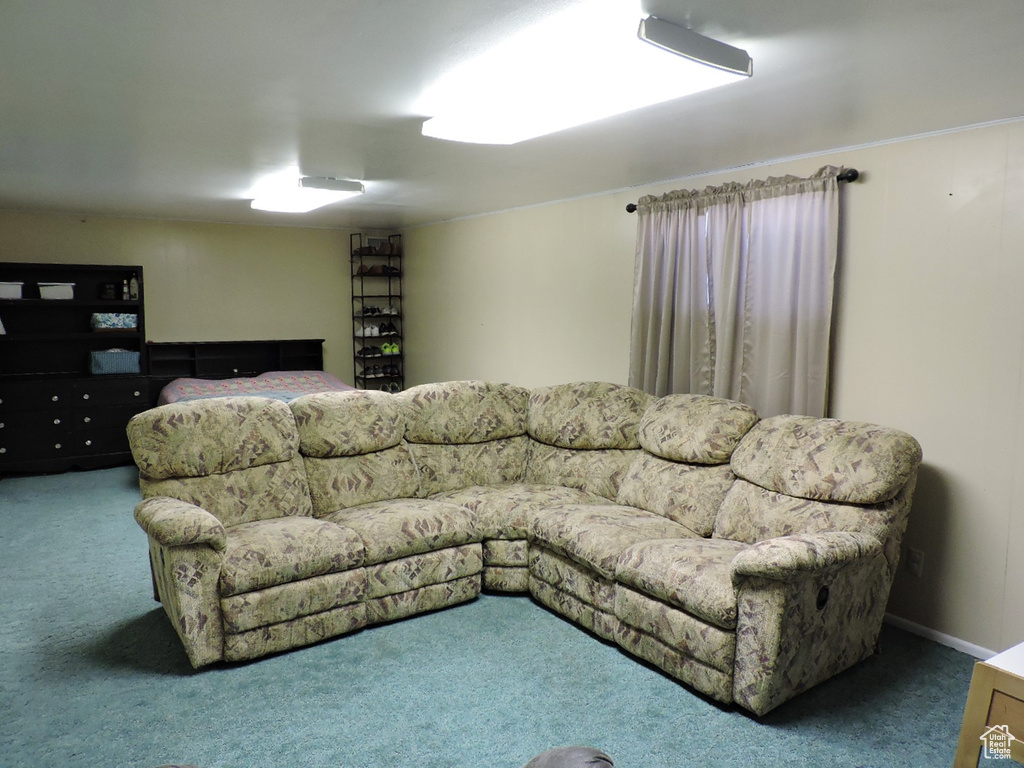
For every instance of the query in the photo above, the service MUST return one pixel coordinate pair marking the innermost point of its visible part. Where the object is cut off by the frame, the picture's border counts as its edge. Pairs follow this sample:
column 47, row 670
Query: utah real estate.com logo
column 997, row 741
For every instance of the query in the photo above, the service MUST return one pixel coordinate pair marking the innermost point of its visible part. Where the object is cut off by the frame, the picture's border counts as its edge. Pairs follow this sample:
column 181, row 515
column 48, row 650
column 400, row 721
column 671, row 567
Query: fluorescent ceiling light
column 581, row 65
column 304, row 194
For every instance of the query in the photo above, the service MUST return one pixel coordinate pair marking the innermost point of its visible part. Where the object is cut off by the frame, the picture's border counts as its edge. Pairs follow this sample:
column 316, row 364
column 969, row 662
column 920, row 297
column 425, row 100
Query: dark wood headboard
column 170, row 360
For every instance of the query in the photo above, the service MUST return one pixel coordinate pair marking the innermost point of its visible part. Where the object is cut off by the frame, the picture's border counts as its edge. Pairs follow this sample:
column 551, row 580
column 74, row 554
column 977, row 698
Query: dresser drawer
column 103, row 392
column 35, row 395
column 30, row 436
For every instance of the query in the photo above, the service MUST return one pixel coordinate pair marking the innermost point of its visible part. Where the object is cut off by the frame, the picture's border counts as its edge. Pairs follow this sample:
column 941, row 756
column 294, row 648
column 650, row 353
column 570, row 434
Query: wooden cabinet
column 55, row 414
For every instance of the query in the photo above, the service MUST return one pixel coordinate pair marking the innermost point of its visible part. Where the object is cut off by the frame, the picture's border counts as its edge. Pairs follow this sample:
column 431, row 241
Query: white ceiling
column 175, row 108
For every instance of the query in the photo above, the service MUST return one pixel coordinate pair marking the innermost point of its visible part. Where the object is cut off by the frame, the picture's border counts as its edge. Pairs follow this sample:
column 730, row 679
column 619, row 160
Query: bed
column 280, row 385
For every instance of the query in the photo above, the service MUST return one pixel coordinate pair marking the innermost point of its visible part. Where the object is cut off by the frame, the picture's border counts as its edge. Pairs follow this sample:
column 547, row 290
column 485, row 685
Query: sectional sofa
column 748, row 558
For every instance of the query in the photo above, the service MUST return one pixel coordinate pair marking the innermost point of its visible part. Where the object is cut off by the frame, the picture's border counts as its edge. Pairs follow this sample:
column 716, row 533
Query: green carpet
column 93, row 675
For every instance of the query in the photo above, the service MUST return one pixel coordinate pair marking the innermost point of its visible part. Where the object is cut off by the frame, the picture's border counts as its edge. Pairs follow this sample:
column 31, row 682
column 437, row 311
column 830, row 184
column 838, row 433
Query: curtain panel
column 733, row 291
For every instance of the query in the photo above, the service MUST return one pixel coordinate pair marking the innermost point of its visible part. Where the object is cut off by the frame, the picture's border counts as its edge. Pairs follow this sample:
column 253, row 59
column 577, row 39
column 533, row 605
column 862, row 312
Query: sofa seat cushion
column 270, row 552
column 691, row 574
column 505, row 511
column 596, row 535
column 402, row 527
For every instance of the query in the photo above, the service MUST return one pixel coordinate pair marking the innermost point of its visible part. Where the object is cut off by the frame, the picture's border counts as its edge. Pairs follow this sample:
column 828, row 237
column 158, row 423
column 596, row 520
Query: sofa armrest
column 787, row 558
column 175, row 523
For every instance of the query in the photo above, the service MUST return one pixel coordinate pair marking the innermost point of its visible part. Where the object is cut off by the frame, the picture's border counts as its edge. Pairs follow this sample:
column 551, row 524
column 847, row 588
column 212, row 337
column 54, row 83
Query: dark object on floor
column 571, row 757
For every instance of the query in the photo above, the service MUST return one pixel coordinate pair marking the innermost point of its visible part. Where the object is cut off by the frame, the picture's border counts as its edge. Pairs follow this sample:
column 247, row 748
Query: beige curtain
column 733, row 292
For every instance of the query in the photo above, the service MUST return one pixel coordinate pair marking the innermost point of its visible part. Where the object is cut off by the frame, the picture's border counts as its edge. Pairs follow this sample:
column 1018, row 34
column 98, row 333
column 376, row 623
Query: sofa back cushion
column 349, row 423
column 587, row 415
column 798, row 474
column 455, row 412
column 849, row 462
column 695, row 429
column 465, row 433
column 683, row 472
column 236, row 457
column 584, row 435
column 353, row 447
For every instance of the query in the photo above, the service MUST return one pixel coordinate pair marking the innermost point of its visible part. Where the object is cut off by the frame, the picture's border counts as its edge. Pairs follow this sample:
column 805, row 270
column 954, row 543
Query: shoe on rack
column 394, row 387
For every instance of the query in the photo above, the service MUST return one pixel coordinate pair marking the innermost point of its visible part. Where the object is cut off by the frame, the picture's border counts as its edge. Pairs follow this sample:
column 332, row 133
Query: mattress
column 280, row 385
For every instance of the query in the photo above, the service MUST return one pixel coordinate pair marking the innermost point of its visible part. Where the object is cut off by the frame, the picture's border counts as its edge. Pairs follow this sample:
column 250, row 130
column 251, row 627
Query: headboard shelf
column 224, row 359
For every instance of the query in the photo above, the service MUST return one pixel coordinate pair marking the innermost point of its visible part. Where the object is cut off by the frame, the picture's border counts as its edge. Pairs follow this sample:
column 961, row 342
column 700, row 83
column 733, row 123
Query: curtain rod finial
column 630, row 207
column 850, row 174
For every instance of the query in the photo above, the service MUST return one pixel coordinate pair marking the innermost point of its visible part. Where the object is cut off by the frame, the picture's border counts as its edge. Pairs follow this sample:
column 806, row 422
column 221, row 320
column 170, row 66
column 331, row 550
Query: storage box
column 114, row 321
column 113, row 361
column 10, row 290
column 56, row 290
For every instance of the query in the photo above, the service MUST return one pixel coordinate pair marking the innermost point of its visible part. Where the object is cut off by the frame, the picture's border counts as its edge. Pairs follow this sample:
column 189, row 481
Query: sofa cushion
column 447, row 467
column 751, row 514
column 199, row 438
column 285, row 602
column 332, row 424
column 595, row 536
column 587, row 415
column 696, row 429
column 402, row 527
column 827, row 459
column 689, row 494
column 242, row 496
column 505, row 511
column 269, row 552
column 595, row 471
column 348, row 481
column 464, row 412
column 691, row 574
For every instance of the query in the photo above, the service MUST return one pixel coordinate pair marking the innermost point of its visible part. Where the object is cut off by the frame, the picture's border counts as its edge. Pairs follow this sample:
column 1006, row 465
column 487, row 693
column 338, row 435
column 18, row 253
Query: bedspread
column 280, row 385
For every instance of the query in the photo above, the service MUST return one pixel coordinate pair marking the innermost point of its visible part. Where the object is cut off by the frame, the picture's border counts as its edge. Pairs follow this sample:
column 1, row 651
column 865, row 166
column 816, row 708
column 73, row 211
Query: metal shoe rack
column 377, row 324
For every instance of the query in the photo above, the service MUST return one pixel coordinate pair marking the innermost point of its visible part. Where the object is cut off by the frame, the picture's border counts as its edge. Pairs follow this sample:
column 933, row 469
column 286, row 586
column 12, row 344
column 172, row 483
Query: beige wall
column 929, row 336
column 210, row 282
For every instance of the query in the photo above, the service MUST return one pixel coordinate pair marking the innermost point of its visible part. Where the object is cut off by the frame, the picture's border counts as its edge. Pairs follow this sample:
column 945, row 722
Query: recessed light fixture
column 305, row 194
column 582, row 65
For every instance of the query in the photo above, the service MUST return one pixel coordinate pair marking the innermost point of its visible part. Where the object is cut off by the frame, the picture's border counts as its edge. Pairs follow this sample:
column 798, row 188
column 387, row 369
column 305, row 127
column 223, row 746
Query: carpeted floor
column 93, row 675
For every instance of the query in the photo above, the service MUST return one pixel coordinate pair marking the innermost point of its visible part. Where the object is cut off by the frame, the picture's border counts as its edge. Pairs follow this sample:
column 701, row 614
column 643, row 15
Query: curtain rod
column 849, row 174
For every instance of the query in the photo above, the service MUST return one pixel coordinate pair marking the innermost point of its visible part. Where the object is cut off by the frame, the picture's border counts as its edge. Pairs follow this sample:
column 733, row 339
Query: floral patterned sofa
column 748, row 558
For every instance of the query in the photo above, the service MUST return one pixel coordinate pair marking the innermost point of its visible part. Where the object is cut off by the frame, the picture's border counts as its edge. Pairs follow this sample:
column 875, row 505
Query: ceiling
column 175, row 108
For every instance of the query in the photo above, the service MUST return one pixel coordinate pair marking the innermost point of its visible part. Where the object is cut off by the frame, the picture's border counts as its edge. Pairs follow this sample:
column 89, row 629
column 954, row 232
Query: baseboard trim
column 943, row 639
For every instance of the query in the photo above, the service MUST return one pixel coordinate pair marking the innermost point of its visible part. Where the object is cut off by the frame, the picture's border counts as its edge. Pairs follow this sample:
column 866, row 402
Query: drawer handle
column 87, row 419
column 3, row 450
column 57, row 446
column 55, row 398
column 85, row 396
column 136, row 393
column 56, row 421
column 88, row 442
column 1, row 425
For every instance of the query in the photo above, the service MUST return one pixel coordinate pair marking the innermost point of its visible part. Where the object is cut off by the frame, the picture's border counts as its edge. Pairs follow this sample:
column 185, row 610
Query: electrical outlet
column 915, row 561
